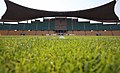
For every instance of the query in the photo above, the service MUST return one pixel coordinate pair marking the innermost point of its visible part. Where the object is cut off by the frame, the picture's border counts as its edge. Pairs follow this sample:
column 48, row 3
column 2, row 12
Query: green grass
column 48, row 54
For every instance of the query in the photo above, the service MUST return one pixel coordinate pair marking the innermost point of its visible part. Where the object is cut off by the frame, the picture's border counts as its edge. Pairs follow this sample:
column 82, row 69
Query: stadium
column 41, row 41
column 66, row 23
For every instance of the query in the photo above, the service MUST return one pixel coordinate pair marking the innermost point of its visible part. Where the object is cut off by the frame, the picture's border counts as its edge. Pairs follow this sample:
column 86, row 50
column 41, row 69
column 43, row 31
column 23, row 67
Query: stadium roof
column 16, row 13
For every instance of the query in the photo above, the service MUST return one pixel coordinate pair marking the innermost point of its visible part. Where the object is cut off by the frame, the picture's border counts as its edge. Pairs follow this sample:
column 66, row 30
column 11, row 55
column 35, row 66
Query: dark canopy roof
column 17, row 13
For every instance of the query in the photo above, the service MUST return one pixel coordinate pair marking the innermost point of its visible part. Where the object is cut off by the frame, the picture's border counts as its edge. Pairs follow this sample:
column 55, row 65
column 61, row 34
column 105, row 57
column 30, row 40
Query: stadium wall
column 64, row 26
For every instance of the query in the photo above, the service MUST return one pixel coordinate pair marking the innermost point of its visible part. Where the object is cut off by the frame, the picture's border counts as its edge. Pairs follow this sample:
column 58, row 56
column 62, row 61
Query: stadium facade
column 60, row 22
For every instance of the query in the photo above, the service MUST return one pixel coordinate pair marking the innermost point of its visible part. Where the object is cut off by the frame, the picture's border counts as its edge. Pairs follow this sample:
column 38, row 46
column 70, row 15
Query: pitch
column 50, row 54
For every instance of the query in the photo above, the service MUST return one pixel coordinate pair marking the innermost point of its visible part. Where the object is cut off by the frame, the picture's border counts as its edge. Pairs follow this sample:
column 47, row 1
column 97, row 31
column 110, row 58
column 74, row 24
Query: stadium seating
column 78, row 26
column 52, row 24
column 1, row 26
column 103, row 27
column 90, row 26
column 21, row 26
column 5, row 27
column 71, row 26
column 30, row 26
column 115, row 27
column 42, row 26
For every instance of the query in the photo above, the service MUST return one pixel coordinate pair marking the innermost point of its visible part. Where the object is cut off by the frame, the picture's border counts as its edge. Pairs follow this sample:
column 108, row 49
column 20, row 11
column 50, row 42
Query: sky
column 59, row 5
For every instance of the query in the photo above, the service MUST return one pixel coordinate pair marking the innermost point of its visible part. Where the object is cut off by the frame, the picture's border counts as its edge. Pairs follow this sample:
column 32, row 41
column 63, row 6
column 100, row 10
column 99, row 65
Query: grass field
column 49, row 54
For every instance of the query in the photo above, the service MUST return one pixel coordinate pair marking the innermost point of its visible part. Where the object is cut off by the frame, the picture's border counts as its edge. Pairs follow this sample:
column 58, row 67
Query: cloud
column 61, row 5
column 117, row 8
column 3, row 8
